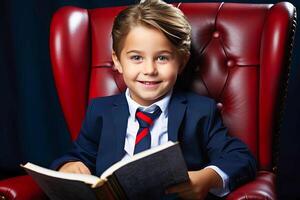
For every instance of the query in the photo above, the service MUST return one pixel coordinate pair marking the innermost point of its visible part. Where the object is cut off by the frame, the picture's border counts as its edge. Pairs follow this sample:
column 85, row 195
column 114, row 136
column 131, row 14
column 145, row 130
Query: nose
column 150, row 68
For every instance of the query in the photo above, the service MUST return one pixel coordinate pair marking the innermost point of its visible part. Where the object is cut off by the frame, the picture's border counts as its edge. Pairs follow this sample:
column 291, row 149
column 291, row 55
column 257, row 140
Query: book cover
column 145, row 176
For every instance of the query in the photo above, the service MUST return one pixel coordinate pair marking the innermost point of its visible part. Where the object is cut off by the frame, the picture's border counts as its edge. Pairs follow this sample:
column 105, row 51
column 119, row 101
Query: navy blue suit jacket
column 193, row 120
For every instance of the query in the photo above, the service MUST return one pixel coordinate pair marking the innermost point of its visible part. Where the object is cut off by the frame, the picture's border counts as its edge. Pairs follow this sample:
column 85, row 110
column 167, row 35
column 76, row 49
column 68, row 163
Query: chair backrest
column 241, row 57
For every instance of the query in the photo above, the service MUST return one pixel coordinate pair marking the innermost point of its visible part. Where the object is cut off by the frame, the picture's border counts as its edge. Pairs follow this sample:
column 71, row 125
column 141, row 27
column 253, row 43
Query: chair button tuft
column 230, row 63
column 216, row 34
column 220, row 106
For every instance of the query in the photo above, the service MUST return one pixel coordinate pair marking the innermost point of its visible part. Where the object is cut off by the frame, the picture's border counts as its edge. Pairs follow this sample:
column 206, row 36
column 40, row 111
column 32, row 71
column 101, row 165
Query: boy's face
column 149, row 64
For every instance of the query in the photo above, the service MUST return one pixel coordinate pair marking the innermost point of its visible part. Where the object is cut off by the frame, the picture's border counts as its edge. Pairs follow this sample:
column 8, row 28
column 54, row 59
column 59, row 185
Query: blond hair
column 156, row 14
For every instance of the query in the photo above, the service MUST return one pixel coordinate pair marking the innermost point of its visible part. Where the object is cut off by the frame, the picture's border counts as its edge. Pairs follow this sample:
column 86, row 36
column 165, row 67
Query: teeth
column 149, row 82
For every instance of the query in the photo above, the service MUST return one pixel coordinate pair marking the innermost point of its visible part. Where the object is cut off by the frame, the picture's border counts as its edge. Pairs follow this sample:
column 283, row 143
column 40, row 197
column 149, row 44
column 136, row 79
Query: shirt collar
column 162, row 104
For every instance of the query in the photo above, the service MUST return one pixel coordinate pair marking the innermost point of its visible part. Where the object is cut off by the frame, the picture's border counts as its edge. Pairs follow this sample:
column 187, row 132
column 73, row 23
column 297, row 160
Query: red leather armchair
column 241, row 57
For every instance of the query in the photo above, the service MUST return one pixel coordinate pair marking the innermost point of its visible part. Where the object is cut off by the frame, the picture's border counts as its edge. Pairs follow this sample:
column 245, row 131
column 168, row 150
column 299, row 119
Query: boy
column 151, row 43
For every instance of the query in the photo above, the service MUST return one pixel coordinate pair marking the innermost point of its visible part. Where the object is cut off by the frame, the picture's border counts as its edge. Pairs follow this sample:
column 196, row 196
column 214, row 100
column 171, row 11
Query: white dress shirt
column 159, row 134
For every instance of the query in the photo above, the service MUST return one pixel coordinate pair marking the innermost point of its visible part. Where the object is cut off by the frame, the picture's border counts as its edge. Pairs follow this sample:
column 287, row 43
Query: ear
column 116, row 62
column 185, row 59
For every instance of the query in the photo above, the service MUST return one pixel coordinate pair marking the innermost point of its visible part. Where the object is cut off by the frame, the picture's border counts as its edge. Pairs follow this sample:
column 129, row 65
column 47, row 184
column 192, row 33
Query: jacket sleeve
column 230, row 154
column 85, row 147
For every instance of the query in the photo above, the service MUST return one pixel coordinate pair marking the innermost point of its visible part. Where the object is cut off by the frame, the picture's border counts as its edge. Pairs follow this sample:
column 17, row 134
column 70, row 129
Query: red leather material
column 21, row 188
column 241, row 38
column 111, row 82
column 239, row 103
column 203, row 29
column 275, row 50
column 242, row 56
column 263, row 187
column 70, row 56
column 233, row 62
column 101, row 25
column 228, row 62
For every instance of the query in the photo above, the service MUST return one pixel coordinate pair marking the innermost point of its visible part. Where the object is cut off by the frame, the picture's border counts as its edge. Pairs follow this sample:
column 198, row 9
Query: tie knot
column 146, row 119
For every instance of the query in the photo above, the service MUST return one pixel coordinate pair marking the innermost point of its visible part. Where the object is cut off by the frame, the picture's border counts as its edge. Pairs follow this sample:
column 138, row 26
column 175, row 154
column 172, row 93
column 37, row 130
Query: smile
column 149, row 82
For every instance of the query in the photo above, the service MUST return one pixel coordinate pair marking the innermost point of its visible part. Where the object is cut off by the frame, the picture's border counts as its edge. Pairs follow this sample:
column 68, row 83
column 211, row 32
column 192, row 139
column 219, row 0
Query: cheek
column 170, row 73
column 130, row 72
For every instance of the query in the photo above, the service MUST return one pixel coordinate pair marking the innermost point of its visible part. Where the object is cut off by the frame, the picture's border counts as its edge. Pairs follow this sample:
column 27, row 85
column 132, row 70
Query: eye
column 162, row 58
column 136, row 58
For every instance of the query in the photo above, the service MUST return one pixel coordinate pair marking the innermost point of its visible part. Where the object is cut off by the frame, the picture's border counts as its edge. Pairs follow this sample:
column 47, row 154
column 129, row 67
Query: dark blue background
column 31, row 120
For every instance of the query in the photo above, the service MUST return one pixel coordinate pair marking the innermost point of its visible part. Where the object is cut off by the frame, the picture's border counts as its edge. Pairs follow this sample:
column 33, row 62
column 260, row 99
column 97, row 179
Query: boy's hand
column 199, row 185
column 75, row 167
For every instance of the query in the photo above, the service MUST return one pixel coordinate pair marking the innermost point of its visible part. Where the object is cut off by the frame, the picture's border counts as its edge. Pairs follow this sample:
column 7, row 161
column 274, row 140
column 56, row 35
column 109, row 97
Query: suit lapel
column 115, row 141
column 176, row 113
column 120, row 118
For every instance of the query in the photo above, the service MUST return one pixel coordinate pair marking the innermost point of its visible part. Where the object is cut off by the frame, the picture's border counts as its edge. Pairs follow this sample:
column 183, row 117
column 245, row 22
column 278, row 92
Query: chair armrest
column 20, row 188
column 262, row 187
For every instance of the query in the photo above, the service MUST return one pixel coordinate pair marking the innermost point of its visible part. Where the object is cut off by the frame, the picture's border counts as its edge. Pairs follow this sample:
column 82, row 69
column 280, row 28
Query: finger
column 70, row 170
column 192, row 194
column 84, row 170
column 178, row 188
column 187, row 195
column 67, row 169
column 64, row 167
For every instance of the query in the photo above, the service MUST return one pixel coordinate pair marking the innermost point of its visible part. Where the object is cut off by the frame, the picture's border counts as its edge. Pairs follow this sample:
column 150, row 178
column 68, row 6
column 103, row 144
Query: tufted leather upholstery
column 240, row 57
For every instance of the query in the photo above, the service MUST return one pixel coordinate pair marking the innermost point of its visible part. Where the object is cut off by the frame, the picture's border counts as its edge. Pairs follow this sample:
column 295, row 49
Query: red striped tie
column 143, row 137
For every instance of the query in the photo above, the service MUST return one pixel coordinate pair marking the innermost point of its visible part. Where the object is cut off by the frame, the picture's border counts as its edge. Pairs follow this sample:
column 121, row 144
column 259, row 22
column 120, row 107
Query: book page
column 89, row 179
column 140, row 155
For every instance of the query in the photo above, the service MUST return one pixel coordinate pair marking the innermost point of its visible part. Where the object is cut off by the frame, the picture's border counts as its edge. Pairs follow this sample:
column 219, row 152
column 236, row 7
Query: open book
column 145, row 176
